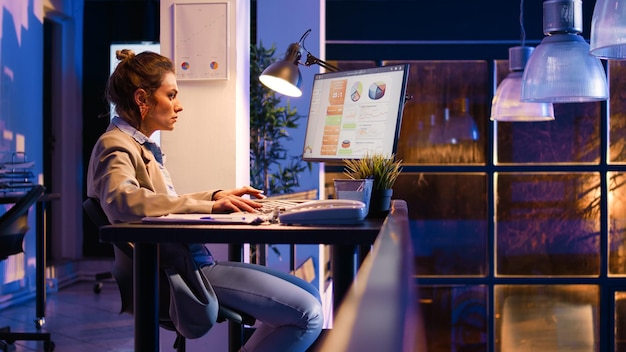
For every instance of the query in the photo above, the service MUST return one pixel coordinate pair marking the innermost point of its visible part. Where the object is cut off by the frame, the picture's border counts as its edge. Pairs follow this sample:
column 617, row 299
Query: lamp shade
column 608, row 29
column 506, row 104
column 284, row 76
column 561, row 69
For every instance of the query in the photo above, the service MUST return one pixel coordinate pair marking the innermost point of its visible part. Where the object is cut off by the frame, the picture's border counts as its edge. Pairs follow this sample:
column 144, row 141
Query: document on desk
column 205, row 219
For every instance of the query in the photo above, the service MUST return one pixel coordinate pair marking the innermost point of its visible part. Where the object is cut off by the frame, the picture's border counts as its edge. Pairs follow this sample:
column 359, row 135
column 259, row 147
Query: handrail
column 380, row 312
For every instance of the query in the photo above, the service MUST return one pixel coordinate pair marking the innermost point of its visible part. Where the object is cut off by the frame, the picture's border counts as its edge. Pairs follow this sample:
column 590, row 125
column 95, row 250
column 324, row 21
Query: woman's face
column 164, row 107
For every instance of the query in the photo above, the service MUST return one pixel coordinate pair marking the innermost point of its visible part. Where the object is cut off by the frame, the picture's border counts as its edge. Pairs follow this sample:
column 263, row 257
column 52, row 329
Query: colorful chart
column 337, row 91
column 377, row 90
column 355, row 91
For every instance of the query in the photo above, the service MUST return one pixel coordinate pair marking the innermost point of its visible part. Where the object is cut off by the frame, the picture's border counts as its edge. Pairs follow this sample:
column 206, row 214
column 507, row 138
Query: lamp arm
column 312, row 60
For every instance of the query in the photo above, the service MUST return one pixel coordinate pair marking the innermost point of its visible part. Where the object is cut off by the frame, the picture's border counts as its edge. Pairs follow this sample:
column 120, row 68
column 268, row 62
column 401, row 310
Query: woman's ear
column 141, row 97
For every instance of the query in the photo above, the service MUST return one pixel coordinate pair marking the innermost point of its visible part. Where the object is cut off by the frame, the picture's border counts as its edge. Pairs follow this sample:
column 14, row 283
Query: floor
column 78, row 319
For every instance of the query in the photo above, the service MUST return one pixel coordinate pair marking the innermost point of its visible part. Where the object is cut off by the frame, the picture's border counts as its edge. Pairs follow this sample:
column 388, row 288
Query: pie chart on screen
column 377, row 90
column 355, row 92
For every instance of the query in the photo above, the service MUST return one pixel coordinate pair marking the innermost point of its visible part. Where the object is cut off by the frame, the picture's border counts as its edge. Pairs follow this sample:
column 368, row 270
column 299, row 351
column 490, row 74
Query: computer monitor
column 355, row 113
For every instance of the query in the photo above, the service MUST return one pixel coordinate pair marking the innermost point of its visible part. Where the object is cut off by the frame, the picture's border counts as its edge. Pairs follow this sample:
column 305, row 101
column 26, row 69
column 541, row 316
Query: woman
column 127, row 175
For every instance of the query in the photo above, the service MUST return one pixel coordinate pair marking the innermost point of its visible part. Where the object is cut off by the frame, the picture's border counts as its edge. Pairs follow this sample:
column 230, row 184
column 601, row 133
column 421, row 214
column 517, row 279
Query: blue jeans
column 288, row 309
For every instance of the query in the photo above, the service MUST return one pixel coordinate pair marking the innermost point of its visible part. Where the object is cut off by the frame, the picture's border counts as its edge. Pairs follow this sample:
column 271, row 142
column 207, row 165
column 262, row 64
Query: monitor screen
column 355, row 113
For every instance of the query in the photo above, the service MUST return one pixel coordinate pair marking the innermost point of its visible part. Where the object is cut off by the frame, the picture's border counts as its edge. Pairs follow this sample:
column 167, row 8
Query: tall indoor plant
column 272, row 169
column 384, row 170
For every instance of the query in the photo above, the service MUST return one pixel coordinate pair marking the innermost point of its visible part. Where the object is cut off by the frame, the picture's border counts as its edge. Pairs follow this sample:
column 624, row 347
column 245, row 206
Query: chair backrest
column 14, row 223
column 187, row 300
column 123, row 256
column 95, row 212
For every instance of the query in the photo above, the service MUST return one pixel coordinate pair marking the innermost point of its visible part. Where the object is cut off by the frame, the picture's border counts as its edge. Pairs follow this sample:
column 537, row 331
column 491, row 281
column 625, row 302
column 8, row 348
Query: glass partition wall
column 519, row 228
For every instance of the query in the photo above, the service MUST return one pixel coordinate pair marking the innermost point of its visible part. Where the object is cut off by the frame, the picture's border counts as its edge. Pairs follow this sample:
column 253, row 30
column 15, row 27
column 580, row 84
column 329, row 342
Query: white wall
column 209, row 147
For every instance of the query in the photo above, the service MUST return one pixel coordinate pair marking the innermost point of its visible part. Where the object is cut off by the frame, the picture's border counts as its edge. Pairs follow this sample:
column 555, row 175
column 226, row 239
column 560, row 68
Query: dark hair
column 144, row 70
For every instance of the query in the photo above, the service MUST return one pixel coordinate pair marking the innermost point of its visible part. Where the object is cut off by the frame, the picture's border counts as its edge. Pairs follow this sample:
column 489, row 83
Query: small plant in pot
column 384, row 170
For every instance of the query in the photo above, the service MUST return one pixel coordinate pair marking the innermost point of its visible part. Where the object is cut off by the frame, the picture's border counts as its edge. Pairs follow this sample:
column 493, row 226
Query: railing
column 380, row 312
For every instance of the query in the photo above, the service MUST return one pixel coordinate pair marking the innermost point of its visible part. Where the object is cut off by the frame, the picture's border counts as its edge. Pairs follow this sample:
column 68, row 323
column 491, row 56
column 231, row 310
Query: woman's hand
column 256, row 193
column 229, row 201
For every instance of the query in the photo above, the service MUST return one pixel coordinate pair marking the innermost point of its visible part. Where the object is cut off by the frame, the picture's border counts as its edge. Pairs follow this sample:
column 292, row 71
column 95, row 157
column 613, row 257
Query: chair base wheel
column 39, row 323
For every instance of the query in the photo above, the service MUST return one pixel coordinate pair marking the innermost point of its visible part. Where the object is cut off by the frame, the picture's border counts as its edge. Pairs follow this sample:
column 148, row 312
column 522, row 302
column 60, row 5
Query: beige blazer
column 125, row 177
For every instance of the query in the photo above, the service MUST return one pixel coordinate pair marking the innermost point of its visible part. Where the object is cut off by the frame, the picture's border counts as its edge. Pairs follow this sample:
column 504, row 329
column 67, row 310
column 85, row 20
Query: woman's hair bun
column 124, row 54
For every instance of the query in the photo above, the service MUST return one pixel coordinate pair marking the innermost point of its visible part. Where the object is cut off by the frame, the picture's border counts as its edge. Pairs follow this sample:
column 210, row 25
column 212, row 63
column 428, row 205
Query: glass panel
column 620, row 321
column 347, row 65
column 547, row 224
column 617, row 108
column 617, row 223
column 549, row 318
column 445, row 121
column 574, row 135
column 455, row 316
column 502, row 70
column 448, row 221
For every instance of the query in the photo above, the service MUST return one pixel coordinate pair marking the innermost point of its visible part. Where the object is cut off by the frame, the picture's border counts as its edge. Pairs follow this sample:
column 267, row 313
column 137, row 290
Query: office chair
column 13, row 227
column 123, row 274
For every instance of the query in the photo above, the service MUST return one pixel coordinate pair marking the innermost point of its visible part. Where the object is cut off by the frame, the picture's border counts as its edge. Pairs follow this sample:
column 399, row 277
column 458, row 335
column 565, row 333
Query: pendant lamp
column 561, row 69
column 608, row 29
column 506, row 104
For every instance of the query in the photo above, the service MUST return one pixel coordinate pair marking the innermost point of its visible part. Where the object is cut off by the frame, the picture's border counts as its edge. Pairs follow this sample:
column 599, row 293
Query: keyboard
column 271, row 205
column 309, row 212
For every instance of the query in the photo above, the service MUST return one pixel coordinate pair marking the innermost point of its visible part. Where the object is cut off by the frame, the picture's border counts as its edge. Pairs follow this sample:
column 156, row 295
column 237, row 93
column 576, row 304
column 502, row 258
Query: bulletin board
column 201, row 38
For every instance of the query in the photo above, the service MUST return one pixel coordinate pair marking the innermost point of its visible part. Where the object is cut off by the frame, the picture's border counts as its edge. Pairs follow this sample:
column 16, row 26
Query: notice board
column 201, row 40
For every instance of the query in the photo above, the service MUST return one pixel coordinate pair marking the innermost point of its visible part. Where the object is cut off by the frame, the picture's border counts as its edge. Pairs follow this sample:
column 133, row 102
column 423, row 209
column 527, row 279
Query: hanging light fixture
column 608, row 29
column 561, row 69
column 507, row 104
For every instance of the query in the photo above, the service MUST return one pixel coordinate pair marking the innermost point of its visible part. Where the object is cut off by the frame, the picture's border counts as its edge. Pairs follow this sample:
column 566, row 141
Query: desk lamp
column 284, row 76
column 561, row 69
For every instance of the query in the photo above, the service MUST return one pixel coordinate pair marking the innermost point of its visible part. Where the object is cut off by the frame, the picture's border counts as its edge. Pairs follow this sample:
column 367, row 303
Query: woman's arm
column 127, row 181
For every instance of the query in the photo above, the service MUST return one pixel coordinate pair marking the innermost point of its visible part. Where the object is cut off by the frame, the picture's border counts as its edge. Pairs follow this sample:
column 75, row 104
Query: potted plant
column 384, row 170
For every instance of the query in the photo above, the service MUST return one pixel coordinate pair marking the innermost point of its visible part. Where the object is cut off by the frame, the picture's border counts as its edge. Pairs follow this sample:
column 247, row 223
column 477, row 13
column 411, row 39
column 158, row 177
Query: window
column 525, row 220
